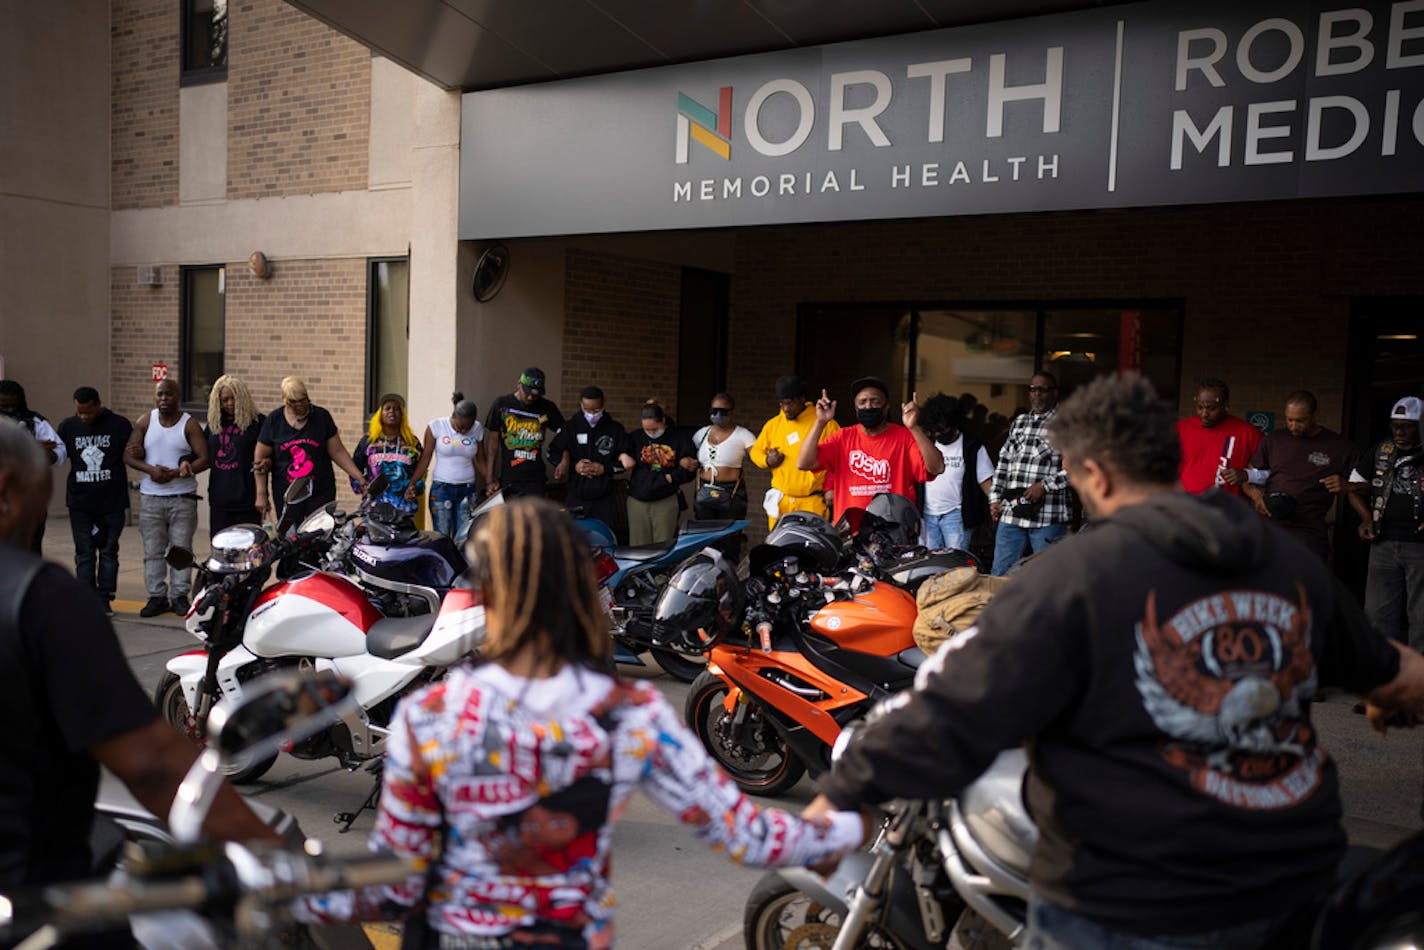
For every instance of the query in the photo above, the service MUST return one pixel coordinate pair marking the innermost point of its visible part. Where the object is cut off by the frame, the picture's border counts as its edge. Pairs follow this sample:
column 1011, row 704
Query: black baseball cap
column 869, row 382
column 532, row 381
column 790, row 387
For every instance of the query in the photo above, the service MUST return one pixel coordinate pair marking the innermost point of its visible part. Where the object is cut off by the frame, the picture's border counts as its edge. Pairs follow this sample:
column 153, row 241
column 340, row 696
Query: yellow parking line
column 127, row 606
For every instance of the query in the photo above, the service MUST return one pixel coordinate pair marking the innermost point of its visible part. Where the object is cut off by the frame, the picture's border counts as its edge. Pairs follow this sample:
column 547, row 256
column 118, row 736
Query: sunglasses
column 1042, row 389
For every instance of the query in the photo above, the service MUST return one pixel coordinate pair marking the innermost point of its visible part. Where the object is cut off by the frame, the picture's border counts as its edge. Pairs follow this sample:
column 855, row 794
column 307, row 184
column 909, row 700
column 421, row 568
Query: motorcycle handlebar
column 274, row 876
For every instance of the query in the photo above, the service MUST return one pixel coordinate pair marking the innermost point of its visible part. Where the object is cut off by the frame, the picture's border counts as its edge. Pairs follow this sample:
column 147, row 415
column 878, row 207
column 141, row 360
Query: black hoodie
column 600, row 443
column 1162, row 664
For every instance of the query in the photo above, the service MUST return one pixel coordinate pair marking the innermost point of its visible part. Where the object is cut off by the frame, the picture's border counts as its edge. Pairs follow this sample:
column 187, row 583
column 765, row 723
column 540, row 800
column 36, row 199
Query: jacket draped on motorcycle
column 505, row 791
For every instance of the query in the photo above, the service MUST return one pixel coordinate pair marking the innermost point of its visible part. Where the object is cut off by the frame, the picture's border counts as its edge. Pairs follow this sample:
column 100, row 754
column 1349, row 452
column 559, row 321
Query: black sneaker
column 108, row 607
column 154, row 607
column 180, row 605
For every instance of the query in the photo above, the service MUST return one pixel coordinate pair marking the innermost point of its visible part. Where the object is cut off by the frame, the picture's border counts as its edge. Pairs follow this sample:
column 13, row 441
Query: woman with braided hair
column 232, row 430
column 503, row 780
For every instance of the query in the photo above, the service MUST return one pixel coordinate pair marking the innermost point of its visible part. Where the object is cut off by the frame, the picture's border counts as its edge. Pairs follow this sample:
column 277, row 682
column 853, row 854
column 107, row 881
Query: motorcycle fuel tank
column 879, row 621
column 428, row 560
column 314, row 615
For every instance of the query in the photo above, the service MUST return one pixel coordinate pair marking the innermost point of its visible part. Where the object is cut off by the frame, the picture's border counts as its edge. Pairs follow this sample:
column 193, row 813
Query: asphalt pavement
column 673, row 891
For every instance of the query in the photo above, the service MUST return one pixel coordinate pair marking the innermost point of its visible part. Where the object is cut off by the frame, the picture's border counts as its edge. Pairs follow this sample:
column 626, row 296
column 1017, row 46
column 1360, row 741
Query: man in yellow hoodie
column 777, row 446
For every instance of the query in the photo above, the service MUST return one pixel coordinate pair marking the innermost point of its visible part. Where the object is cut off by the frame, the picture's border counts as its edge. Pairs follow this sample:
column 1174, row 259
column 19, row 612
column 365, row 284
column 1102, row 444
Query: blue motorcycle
column 631, row 578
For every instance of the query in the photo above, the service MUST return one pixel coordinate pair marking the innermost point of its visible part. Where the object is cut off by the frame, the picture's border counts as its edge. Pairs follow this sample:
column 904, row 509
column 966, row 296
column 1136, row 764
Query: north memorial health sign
column 1139, row 104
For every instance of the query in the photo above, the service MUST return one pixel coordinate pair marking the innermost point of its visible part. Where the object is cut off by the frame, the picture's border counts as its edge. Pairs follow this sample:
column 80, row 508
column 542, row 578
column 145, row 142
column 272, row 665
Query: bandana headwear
column 1408, row 409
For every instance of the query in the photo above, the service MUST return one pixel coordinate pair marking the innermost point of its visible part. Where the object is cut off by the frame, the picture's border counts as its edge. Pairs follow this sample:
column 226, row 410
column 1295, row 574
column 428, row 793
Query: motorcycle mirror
column 178, row 558
column 377, row 486
column 298, row 491
column 274, row 712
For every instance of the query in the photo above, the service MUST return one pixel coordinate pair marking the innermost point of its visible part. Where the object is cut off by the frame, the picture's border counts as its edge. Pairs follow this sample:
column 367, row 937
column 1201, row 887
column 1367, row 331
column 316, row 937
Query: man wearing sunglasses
column 1029, row 499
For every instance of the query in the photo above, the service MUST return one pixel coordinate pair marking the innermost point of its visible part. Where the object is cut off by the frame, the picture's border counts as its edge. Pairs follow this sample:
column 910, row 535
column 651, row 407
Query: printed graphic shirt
column 394, row 459
column 946, row 492
column 526, row 778
column 654, row 460
column 1296, row 466
column 231, row 484
column 1027, row 458
column 1404, row 511
column 455, row 451
column 862, row 466
column 1174, row 771
column 1208, row 453
column 521, row 429
column 298, row 452
column 97, row 481
column 785, row 435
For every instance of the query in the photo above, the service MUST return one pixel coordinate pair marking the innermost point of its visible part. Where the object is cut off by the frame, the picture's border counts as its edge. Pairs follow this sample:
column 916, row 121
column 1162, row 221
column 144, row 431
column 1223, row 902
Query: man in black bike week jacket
column 70, row 703
column 1160, row 666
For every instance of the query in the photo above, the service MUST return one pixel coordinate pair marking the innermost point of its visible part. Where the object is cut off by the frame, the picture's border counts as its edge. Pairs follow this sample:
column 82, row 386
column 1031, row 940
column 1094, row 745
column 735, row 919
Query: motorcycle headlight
column 242, row 547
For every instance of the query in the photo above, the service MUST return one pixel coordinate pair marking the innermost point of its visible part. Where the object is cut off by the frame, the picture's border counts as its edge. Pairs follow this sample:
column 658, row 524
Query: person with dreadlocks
column 233, row 426
column 503, row 780
column 390, row 448
column 14, row 406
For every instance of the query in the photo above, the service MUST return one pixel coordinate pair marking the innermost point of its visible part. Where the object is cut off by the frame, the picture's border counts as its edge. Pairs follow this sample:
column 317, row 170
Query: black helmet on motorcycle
column 814, row 540
column 893, row 514
column 700, row 605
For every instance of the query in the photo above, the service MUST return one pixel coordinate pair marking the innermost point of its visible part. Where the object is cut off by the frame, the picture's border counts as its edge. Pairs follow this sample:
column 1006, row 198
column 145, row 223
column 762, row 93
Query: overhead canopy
column 486, row 44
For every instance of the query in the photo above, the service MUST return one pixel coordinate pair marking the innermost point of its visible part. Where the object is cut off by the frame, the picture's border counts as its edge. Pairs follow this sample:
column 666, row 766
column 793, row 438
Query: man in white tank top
column 169, row 448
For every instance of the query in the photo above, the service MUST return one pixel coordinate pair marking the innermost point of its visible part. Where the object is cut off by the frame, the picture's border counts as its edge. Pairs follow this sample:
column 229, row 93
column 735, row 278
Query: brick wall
column 308, row 320
column 144, row 331
column 298, row 103
column 144, row 107
column 620, row 332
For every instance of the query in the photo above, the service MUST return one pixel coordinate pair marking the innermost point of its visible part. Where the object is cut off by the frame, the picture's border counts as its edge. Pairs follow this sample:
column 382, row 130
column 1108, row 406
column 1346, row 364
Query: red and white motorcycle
column 315, row 620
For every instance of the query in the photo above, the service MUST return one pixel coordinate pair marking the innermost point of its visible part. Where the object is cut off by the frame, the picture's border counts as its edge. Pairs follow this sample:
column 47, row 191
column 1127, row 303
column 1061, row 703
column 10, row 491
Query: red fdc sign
column 160, row 372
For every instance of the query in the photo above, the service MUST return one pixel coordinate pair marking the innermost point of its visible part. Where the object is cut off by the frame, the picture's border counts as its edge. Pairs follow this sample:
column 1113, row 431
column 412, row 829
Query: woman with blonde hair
column 390, row 448
column 300, row 439
column 503, row 780
column 233, row 426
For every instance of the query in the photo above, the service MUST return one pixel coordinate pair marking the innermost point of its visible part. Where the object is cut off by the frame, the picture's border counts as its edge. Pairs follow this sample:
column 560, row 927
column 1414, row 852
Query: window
column 204, row 41
column 201, row 331
column 388, row 329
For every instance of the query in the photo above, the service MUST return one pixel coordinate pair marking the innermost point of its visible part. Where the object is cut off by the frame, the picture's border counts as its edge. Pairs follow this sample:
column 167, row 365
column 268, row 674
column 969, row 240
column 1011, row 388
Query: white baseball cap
column 1407, row 409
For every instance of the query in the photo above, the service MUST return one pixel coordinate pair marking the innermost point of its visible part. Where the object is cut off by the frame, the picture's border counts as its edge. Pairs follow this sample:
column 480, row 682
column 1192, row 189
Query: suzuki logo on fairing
column 868, row 466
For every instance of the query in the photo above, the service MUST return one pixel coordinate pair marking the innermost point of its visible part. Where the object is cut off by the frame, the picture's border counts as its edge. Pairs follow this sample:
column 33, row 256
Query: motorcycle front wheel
column 173, row 707
column 780, row 917
column 677, row 666
column 758, row 761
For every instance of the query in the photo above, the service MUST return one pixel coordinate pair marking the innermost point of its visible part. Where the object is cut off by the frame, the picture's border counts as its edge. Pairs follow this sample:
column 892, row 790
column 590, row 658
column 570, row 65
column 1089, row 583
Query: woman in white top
column 721, row 450
column 456, row 445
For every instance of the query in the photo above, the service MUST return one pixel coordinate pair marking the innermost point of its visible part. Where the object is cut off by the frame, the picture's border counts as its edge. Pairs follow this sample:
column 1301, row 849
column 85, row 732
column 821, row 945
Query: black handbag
column 713, row 498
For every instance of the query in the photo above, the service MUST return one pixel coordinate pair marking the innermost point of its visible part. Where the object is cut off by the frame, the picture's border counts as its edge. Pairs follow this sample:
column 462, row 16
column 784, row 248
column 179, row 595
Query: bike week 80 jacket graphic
column 1228, row 677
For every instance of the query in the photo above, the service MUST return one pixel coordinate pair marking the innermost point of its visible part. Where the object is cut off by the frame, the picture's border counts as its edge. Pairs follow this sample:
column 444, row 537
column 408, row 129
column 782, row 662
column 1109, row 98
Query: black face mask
column 946, row 438
column 870, row 418
column 720, row 418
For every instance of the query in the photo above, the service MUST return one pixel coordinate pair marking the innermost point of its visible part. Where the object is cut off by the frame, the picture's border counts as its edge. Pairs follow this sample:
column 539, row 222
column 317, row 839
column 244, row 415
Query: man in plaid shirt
column 1029, row 499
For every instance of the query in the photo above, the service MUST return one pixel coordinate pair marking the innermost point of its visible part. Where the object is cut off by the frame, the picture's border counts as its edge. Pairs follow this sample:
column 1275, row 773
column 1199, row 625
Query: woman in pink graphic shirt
column 300, row 439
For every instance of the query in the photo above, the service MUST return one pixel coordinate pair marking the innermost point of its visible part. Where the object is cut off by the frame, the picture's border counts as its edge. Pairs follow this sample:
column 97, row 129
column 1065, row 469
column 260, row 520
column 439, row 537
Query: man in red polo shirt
column 1216, row 446
column 876, row 455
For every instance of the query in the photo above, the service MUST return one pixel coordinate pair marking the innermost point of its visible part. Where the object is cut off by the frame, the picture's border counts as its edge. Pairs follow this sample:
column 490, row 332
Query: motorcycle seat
column 391, row 637
column 693, row 526
column 912, row 657
column 643, row 552
column 995, row 815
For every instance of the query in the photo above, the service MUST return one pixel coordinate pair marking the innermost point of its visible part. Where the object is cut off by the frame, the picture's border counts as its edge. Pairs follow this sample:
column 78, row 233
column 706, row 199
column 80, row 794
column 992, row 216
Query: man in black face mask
column 876, row 455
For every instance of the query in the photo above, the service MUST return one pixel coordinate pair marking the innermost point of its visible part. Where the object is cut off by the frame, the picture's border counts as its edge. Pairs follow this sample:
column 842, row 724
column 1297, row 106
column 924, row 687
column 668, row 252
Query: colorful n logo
column 696, row 121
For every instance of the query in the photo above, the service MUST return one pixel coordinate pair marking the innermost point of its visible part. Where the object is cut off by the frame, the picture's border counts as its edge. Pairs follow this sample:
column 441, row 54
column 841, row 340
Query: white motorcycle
column 316, row 620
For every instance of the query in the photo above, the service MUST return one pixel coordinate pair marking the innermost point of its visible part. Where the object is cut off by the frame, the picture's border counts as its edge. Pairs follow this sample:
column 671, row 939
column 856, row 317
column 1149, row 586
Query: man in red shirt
column 876, row 455
column 1216, row 446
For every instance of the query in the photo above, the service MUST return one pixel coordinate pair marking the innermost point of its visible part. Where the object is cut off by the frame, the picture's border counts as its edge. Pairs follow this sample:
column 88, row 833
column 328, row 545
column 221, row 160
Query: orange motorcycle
column 793, row 653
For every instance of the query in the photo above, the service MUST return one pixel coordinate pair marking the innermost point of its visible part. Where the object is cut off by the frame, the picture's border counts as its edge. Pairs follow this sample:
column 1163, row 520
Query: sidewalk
column 131, row 594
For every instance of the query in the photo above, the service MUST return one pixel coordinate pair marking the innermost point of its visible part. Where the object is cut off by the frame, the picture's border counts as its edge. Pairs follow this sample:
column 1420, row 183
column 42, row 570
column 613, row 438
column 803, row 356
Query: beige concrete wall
column 54, row 200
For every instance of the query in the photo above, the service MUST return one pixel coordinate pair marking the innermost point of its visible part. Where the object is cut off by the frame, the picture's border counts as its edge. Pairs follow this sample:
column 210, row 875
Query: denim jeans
column 1010, row 540
column 1050, row 927
column 165, row 521
column 1394, row 592
column 447, row 515
column 96, row 549
column 946, row 530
